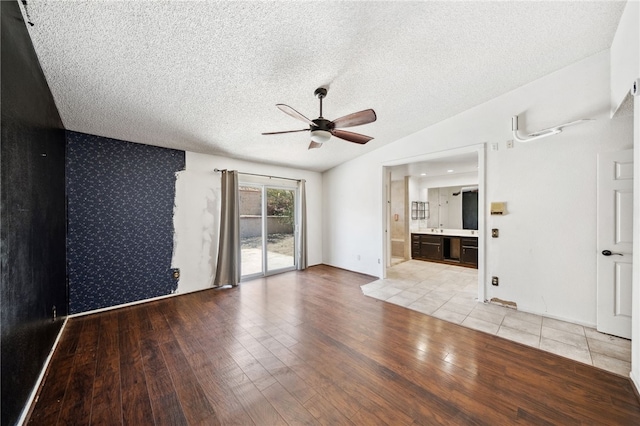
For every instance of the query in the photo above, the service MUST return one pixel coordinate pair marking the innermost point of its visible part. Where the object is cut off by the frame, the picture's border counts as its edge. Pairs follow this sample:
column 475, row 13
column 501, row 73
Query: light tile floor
column 450, row 293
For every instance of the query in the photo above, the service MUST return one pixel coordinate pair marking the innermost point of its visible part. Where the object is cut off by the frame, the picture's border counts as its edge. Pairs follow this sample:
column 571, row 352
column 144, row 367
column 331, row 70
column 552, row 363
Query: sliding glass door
column 267, row 229
column 280, row 225
column 251, row 241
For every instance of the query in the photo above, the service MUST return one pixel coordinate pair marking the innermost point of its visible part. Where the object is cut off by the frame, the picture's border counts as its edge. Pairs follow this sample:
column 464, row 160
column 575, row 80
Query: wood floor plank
column 288, row 407
column 76, row 407
column 256, row 405
column 307, row 347
column 136, row 405
column 164, row 401
column 107, row 399
column 324, row 412
column 195, row 405
column 48, row 405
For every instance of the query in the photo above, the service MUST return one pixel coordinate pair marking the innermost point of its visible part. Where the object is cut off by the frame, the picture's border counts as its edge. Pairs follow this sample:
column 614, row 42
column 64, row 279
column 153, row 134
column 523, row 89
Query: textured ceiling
column 205, row 76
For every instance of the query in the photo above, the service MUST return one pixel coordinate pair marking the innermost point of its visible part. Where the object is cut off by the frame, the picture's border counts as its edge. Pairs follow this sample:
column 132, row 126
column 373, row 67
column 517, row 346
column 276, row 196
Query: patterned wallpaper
column 120, row 220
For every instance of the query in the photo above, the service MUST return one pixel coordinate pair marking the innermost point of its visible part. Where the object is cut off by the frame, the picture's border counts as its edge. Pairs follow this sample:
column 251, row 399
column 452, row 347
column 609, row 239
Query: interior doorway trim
column 480, row 149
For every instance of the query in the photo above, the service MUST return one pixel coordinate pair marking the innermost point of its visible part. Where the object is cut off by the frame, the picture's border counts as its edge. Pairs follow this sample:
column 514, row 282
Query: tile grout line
column 504, row 315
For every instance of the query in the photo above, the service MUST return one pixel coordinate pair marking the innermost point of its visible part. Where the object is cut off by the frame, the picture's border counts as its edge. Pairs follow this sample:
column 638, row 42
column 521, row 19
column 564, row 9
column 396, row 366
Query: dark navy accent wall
column 120, row 219
column 32, row 216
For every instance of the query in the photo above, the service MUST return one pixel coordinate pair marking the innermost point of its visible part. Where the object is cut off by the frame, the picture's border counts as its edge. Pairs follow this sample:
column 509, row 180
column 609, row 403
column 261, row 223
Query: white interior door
column 615, row 242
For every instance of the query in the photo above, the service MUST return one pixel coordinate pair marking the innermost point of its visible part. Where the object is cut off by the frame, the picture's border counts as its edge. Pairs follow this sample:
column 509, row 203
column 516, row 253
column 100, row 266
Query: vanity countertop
column 448, row 232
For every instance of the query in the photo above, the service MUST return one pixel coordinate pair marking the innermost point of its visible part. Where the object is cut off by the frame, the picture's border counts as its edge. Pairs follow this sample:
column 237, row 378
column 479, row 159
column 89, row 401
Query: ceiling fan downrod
column 320, row 93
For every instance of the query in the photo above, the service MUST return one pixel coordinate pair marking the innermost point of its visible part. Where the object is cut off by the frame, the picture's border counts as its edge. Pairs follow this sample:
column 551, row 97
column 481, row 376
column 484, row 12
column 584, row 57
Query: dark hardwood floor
column 309, row 347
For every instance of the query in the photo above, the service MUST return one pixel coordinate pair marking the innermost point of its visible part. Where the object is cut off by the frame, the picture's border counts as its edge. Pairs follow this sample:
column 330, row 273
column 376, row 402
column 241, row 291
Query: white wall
column 625, row 54
column 545, row 256
column 197, row 205
column 458, row 179
column 625, row 67
column 635, row 306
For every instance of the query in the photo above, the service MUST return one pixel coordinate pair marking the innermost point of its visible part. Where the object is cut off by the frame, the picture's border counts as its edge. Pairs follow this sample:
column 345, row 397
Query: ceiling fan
column 322, row 129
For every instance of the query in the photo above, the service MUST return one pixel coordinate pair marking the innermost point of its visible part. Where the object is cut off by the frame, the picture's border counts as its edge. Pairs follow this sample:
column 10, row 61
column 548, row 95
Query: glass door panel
column 280, row 226
column 251, row 241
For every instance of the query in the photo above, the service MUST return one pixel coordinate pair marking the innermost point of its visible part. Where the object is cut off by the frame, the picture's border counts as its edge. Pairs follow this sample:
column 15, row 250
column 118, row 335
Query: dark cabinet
column 469, row 251
column 461, row 251
column 431, row 247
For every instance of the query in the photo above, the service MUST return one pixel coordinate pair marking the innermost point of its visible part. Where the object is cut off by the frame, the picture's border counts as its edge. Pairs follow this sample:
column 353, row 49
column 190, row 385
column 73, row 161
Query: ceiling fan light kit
column 320, row 136
column 544, row 132
column 322, row 129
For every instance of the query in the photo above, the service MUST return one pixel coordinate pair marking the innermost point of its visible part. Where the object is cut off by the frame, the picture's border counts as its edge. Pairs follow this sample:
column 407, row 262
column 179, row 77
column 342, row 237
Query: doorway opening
column 267, row 229
column 440, row 194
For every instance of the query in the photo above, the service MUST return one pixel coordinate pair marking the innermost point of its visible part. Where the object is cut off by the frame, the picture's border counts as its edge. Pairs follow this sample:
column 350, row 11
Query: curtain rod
column 267, row 176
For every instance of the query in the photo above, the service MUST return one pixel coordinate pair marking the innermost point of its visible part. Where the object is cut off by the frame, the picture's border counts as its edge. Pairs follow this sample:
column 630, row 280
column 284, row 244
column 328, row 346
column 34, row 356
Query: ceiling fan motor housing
column 322, row 124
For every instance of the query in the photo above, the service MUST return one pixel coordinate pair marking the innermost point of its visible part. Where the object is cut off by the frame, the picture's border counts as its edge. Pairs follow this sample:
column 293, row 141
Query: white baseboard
column 124, row 305
column 36, row 387
column 635, row 384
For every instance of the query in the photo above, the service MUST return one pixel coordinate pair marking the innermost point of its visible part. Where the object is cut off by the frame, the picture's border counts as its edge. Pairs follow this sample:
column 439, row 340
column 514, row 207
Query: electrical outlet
column 494, row 281
column 495, row 233
column 510, row 143
column 175, row 273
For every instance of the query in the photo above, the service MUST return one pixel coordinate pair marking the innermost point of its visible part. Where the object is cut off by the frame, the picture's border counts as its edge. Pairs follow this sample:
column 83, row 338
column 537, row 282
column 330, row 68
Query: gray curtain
column 228, row 267
column 301, row 244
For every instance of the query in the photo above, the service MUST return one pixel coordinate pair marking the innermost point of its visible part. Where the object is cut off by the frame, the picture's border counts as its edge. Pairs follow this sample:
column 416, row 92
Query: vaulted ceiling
column 205, row 76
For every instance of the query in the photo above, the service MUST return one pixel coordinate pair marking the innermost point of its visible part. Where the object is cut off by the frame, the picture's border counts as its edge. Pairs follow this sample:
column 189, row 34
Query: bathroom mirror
column 453, row 207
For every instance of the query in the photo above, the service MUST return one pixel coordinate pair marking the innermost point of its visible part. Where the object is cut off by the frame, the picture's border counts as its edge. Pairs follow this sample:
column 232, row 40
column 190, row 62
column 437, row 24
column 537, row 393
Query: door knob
column 609, row 253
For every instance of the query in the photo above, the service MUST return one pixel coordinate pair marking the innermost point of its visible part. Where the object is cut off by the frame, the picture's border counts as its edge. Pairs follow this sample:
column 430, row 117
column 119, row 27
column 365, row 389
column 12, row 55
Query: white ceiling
column 205, row 76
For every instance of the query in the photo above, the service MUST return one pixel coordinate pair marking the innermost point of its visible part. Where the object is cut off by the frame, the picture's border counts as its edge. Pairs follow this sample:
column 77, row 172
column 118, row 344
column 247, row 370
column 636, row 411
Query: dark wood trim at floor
column 309, row 348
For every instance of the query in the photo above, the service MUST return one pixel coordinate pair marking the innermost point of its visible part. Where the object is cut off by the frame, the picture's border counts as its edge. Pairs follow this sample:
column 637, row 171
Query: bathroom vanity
column 452, row 247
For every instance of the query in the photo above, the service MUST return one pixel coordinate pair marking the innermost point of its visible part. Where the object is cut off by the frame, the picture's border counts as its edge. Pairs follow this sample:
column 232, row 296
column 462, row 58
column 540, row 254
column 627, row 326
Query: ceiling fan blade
column 350, row 136
column 314, row 145
column 295, row 114
column 355, row 119
column 286, row 131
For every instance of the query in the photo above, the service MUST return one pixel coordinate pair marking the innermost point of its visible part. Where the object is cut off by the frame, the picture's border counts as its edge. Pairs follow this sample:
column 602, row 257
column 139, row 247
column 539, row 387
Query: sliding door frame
column 264, row 228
